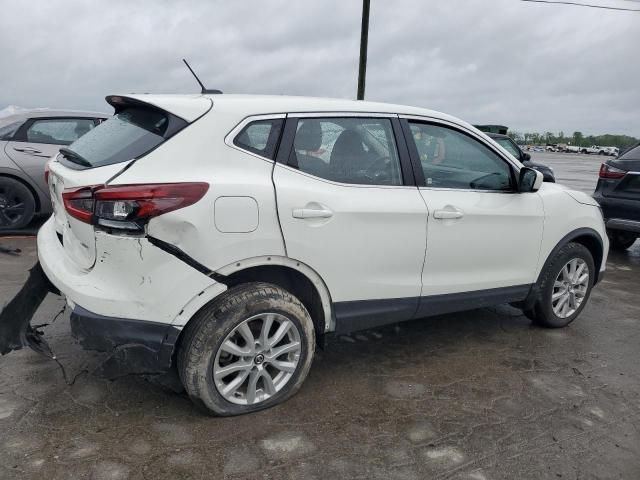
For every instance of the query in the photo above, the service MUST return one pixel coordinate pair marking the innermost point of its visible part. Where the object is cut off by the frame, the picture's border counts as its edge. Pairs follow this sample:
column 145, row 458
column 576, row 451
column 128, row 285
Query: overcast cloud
column 533, row 67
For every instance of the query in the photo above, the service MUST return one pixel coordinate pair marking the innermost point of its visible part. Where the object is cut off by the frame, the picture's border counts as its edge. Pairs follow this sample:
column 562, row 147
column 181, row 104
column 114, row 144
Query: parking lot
column 475, row 395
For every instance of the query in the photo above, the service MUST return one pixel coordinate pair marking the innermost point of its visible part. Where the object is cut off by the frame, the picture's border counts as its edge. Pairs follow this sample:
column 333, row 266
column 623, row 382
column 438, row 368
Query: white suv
column 225, row 235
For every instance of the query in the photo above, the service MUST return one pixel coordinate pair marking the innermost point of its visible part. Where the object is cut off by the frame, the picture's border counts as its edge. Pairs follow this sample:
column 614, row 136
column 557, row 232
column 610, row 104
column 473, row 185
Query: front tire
column 564, row 287
column 248, row 350
column 621, row 240
column 17, row 205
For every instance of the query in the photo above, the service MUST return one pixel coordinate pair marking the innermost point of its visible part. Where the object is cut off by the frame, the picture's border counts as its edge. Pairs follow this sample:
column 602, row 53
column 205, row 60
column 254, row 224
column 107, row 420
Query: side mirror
column 530, row 180
column 526, row 157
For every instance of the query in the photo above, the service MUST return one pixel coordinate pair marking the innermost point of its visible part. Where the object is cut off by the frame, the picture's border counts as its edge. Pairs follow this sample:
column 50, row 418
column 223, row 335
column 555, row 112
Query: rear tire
column 621, row 241
column 230, row 366
column 563, row 289
column 17, row 205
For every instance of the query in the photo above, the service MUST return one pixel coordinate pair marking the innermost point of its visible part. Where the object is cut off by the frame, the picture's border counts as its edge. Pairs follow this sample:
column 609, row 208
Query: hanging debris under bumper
column 16, row 331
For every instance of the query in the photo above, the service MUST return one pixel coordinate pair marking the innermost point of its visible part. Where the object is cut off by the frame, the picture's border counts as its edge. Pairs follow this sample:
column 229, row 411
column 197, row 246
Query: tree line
column 577, row 138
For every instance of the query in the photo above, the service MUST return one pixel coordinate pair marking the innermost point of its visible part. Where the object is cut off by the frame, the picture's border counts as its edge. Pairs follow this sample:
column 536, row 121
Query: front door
column 482, row 235
column 347, row 211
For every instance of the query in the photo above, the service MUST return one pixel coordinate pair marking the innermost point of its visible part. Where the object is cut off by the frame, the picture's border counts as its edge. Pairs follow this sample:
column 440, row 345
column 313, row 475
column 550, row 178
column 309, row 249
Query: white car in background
column 225, row 235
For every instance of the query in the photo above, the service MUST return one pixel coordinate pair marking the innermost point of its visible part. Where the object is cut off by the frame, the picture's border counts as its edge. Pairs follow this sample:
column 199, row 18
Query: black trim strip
column 286, row 141
column 362, row 314
column 418, row 173
column 403, row 153
column 181, row 255
column 458, row 302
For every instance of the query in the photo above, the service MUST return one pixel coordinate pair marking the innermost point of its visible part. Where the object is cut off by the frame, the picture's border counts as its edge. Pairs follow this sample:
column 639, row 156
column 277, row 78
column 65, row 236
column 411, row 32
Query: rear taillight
column 129, row 207
column 607, row 171
column 46, row 173
column 79, row 203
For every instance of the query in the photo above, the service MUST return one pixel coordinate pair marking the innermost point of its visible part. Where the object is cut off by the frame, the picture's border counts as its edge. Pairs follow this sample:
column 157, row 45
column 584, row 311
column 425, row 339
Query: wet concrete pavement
column 578, row 171
column 476, row 395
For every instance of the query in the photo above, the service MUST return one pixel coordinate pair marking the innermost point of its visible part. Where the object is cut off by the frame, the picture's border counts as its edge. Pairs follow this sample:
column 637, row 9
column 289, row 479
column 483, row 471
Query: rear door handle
column 448, row 214
column 26, row 150
column 311, row 212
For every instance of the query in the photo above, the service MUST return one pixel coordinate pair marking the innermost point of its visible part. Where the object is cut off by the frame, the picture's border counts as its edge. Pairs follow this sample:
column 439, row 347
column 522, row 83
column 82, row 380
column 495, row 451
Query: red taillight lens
column 130, row 207
column 79, row 203
column 607, row 171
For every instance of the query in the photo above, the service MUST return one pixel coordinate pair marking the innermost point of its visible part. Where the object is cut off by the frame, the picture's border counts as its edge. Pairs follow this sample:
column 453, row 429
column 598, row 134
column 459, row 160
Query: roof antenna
column 204, row 90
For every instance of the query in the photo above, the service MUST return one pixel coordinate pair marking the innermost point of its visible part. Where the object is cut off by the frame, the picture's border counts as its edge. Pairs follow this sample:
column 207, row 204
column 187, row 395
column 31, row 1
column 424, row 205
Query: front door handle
column 312, row 212
column 26, row 150
column 448, row 214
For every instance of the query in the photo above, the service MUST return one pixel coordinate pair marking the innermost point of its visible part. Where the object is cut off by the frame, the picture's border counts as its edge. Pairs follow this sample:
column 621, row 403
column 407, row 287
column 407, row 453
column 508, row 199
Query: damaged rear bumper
column 132, row 303
column 136, row 347
column 131, row 278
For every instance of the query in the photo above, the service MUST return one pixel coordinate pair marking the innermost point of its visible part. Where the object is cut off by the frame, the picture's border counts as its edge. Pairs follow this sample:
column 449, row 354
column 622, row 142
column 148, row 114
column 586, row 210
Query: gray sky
column 533, row 67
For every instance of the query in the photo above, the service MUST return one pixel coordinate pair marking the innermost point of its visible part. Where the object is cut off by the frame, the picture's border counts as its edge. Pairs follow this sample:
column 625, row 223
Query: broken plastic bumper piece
column 16, row 331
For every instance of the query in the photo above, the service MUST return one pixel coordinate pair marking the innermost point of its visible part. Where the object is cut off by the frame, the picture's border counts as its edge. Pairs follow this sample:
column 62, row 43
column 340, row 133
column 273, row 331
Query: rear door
column 482, row 234
column 349, row 208
column 40, row 138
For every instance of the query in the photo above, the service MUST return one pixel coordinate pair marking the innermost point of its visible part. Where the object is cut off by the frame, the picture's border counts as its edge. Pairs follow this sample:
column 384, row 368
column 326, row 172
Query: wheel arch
column 292, row 275
column 588, row 237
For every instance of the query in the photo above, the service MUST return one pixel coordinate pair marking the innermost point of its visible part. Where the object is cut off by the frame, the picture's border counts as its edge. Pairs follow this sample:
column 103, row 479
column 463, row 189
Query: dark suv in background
column 506, row 142
column 618, row 193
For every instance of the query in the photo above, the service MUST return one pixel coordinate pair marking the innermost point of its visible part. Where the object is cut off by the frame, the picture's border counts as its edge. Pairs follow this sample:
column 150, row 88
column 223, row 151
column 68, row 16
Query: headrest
column 309, row 136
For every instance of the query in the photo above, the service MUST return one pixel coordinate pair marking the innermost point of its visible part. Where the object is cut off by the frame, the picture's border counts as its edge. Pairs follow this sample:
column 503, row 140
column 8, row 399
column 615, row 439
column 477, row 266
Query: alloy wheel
column 257, row 359
column 12, row 206
column 570, row 288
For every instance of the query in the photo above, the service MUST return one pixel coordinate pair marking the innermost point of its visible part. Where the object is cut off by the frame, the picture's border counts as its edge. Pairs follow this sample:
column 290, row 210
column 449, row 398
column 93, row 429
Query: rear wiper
column 75, row 157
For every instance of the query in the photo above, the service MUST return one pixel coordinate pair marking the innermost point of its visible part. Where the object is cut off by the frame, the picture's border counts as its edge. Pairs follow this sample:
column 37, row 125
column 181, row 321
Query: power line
column 578, row 4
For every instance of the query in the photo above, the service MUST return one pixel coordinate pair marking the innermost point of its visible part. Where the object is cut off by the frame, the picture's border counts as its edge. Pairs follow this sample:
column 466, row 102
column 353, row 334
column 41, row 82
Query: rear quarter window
column 260, row 137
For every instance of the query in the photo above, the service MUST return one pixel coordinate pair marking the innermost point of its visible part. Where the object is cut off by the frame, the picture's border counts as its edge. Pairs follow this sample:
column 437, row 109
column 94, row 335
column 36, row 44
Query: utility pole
column 364, row 40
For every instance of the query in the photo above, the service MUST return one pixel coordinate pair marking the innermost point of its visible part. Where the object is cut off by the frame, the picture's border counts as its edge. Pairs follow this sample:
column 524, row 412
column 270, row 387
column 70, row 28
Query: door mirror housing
column 530, row 180
column 526, row 157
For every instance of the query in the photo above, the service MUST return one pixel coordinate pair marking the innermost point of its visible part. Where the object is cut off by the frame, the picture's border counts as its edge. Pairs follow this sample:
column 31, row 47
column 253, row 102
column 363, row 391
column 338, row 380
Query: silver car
column 27, row 141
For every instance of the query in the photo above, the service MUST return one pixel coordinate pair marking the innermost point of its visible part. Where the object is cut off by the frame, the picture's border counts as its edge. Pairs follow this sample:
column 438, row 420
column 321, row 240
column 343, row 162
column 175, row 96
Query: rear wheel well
column 291, row 280
column 34, row 194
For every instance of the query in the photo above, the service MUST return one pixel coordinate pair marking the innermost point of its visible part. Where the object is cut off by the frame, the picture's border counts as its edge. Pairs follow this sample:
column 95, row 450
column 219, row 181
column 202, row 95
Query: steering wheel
column 378, row 169
column 478, row 182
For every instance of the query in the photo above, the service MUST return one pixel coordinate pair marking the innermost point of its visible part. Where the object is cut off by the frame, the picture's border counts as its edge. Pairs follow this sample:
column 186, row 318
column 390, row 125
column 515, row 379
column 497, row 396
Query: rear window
column 129, row 134
column 633, row 154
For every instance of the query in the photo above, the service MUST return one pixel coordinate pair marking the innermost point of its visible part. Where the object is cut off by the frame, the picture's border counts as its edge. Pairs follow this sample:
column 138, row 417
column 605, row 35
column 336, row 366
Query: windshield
column 129, row 134
column 509, row 146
